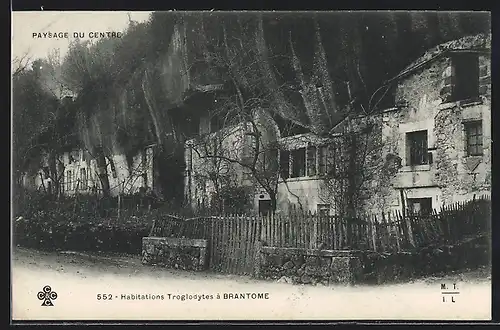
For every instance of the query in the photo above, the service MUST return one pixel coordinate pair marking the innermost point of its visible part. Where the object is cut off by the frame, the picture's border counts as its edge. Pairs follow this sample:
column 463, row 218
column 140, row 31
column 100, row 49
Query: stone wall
column 423, row 104
column 176, row 253
column 304, row 266
column 461, row 176
column 397, row 267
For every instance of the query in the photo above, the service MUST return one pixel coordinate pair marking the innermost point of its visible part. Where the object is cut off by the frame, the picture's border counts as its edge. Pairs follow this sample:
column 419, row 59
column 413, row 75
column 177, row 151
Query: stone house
column 299, row 162
column 78, row 173
column 218, row 161
column 439, row 129
column 437, row 134
column 304, row 162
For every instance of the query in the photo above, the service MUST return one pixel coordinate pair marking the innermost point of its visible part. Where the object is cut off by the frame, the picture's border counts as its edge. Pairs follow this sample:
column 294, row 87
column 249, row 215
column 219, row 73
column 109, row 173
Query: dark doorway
column 421, row 206
column 265, row 207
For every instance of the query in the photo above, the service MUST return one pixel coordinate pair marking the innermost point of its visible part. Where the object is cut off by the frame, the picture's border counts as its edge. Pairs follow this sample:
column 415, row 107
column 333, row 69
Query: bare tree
column 38, row 110
column 248, row 138
column 356, row 166
column 20, row 63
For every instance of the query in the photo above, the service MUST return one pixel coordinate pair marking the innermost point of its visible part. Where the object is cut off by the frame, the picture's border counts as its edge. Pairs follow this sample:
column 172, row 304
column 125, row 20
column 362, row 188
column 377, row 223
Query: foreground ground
column 81, row 280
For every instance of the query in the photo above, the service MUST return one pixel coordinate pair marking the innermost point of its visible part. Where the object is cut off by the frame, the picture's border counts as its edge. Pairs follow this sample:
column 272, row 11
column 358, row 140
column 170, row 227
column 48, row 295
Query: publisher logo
column 47, row 295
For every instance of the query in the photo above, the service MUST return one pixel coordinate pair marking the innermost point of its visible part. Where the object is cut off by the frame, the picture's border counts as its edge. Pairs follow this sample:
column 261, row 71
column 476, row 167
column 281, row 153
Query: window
column 69, row 180
column 113, row 168
column 322, row 160
column 474, row 138
column 323, row 209
column 285, row 164
column 466, row 72
column 416, row 144
column 421, row 206
column 265, row 160
column 298, row 163
column 311, row 161
column 326, row 159
column 62, row 184
column 83, row 179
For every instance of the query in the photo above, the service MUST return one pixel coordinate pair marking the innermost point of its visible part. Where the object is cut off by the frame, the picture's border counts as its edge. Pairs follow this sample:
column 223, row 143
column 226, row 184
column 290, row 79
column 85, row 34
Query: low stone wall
column 303, row 266
column 306, row 266
column 396, row 267
column 177, row 253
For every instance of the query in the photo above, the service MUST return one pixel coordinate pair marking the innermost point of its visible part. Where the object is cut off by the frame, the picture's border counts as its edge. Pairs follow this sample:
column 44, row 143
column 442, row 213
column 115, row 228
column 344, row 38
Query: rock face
column 176, row 253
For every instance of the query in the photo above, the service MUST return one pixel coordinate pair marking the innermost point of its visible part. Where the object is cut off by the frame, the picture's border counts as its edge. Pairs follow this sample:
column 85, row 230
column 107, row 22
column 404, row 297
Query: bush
column 49, row 231
column 86, row 223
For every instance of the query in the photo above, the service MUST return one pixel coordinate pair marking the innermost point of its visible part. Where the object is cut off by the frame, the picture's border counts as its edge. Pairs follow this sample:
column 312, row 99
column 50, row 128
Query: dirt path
column 79, row 278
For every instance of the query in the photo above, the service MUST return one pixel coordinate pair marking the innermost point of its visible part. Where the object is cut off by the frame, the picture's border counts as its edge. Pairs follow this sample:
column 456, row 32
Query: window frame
column 311, row 161
column 285, row 160
column 322, row 159
column 411, row 142
column 83, row 178
column 69, row 180
column 478, row 145
column 303, row 168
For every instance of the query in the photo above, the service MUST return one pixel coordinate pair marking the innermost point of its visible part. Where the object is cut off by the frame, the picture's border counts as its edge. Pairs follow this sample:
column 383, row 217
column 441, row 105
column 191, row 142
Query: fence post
column 373, row 230
column 152, row 228
column 257, row 256
column 258, row 246
column 314, row 237
column 409, row 228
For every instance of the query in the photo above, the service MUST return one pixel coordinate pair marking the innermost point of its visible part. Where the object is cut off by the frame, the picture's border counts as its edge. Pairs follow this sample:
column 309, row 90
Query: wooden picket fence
column 233, row 238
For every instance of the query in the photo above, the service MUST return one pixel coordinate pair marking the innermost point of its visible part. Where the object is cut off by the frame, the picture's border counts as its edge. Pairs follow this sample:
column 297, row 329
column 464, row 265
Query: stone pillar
column 257, row 258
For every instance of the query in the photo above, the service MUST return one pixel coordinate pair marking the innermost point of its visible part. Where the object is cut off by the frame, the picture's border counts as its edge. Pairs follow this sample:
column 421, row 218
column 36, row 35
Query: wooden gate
column 233, row 244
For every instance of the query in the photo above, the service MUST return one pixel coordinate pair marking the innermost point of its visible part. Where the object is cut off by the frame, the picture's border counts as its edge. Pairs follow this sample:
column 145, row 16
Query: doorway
column 265, row 207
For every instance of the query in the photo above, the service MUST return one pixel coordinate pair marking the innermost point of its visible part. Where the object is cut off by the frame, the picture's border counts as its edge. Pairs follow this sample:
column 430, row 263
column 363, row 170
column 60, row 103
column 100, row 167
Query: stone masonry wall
column 326, row 267
column 423, row 104
column 403, row 266
column 176, row 253
column 303, row 266
column 461, row 176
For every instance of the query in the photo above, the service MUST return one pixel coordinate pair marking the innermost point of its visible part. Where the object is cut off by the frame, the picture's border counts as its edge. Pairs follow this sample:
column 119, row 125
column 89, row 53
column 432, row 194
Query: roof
column 478, row 42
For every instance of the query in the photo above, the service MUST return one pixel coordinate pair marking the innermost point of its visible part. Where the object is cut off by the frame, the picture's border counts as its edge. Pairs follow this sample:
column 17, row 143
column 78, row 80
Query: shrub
column 50, row 231
column 85, row 223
